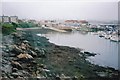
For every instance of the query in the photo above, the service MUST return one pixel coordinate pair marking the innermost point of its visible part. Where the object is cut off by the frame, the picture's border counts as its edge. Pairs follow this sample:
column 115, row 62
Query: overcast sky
column 61, row 9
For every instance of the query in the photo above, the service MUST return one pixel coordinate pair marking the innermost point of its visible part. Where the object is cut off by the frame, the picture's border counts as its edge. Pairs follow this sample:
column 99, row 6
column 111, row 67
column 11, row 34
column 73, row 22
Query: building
column 0, row 19
column 13, row 19
column 83, row 22
column 5, row 19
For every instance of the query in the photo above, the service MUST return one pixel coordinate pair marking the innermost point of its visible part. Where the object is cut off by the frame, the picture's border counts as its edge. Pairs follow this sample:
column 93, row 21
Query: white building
column 5, row 19
column 0, row 19
column 14, row 19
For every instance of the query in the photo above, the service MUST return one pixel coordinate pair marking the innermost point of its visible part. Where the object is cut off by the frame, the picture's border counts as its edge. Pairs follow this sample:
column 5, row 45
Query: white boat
column 107, row 36
column 102, row 34
column 114, row 38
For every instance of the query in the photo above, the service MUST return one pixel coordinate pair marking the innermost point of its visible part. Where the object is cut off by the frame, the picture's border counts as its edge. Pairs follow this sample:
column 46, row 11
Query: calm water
column 107, row 50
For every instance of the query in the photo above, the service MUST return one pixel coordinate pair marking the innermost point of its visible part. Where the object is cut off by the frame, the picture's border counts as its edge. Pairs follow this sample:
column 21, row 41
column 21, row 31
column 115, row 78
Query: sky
column 101, row 10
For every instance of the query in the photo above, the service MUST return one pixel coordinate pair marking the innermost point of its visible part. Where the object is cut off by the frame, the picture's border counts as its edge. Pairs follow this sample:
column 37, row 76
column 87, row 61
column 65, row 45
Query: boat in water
column 101, row 34
column 115, row 38
column 107, row 36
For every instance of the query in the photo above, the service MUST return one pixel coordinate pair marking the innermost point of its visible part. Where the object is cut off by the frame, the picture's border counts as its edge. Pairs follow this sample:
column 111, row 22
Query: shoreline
column 28, row 28
column 51, row 59
column 51, row 28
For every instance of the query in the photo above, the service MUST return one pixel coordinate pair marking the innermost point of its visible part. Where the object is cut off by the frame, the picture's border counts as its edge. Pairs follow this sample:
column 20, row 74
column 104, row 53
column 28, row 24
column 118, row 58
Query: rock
column 89, row 54
column 15, row 75
column 42, row 66
column 14, row 58
column 57, row 78
column 74, row 78
column 37, row 50
column 102, row 74
column 12, row 55
column 16, row 35
column 32, row 53
column 16, row 65
column 42, row 53
column 23, row 46
column 46, row 70
column 34, row 63
column 24, row 56
column 14, row 70
column 16, row 50
column 25, row 41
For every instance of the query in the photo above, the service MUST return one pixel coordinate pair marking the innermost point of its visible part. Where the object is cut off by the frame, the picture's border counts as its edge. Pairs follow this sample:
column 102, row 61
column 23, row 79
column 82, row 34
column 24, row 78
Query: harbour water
column 107, row 51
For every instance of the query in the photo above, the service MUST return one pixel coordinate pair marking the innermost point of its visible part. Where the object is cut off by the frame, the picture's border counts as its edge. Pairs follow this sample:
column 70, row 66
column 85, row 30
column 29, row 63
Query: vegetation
column 26, row 25
column 8, row 28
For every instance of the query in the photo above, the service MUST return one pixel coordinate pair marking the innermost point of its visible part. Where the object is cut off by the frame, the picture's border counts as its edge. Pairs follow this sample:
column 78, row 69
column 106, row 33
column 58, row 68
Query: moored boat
column 114, row 38
column 107, row 36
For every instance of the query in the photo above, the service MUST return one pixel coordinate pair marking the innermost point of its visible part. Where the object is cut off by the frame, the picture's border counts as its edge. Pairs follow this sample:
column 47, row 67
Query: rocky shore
column 25, row 56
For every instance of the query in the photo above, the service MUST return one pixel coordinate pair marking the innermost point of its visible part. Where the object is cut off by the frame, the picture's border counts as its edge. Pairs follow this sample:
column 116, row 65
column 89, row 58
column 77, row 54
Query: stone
column 24, row 56
column 75, row 78
column 89, row 54
column 15, row 75
column 57, row 78
column 23, row 46
column 25, row 41
column 16, row 35
column 16, row 65
column 16, row 50
column 32, row 53
column 34, row 63
column 14, row 70
column 42, row 66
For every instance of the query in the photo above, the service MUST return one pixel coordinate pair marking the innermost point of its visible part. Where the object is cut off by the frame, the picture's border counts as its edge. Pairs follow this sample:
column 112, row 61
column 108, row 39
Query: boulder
column 89, row 54
column 75, row 78
column 16, row 65
column 34, row 63
column 32, row 53
column 14, row 69
column 42, row 66
column 57, row 78
column 17, row 35
column 23, row 46
column 24, row 56
column 15, row 75
column 16, row 50
column 25, row 41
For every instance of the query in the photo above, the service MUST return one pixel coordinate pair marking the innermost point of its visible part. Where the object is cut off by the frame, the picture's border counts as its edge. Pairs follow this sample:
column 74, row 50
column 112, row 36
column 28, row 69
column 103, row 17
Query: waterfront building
column 5, row 19
column 0, row 19
column 13, row 19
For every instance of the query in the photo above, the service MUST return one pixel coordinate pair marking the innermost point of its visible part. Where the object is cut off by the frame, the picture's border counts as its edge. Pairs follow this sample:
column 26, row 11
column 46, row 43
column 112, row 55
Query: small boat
column 101, row 34
column 114, row 38
column 107, row 36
